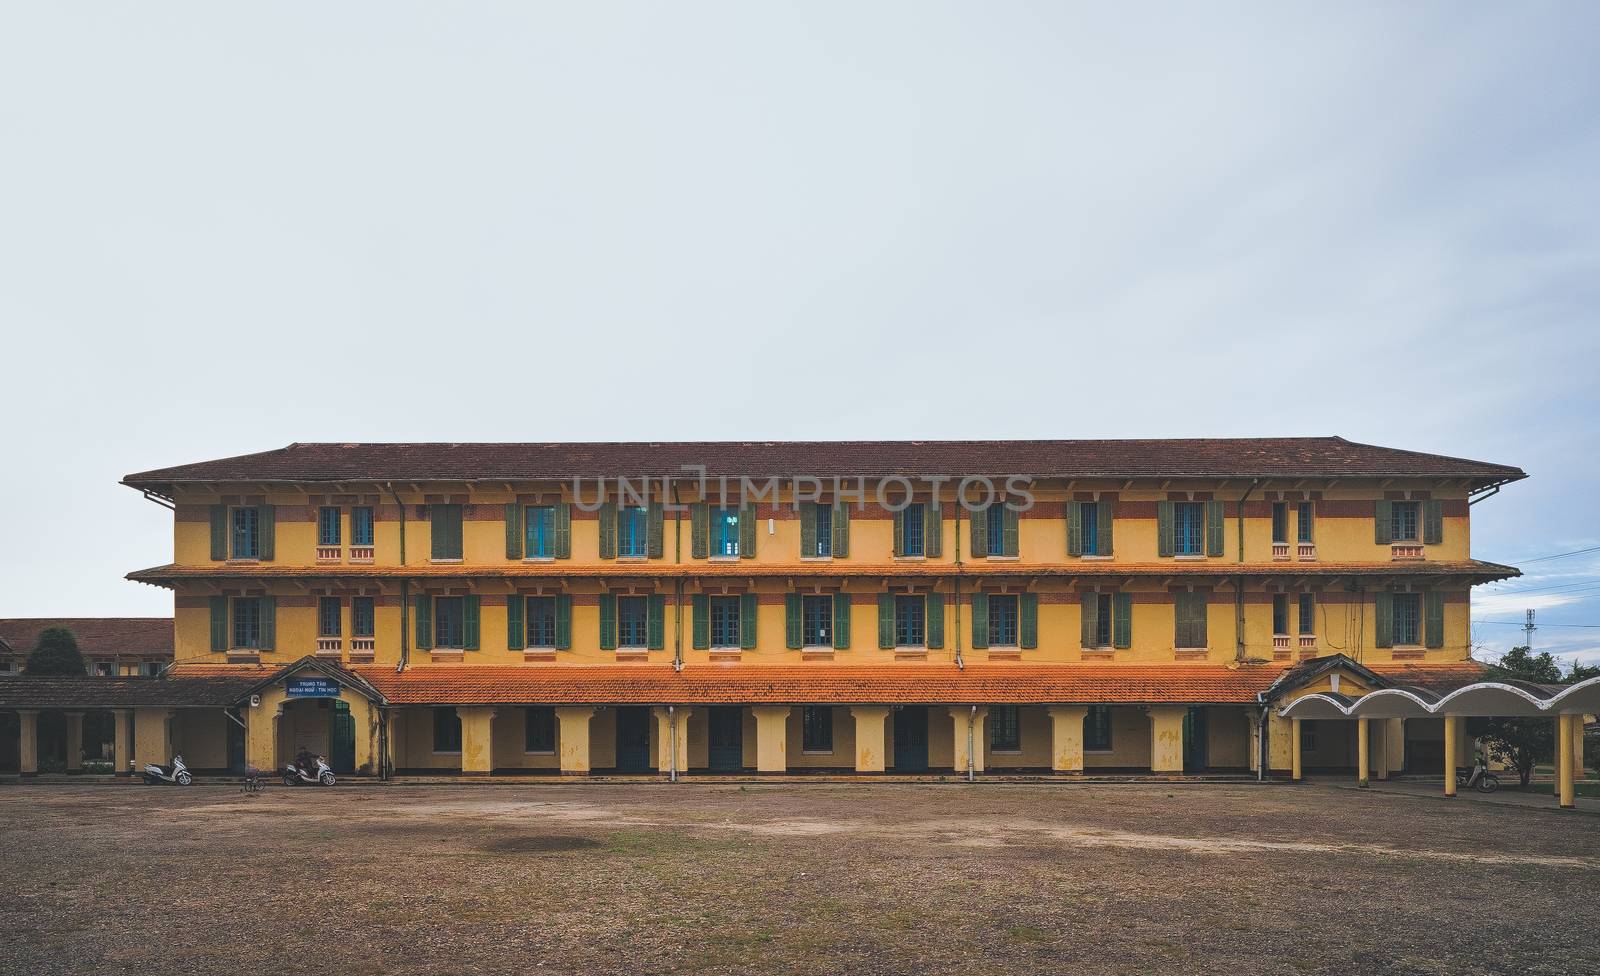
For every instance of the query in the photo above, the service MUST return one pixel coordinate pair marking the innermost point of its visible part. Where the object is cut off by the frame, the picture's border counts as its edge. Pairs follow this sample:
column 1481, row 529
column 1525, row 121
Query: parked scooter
column 311, row 771
column 177, row 773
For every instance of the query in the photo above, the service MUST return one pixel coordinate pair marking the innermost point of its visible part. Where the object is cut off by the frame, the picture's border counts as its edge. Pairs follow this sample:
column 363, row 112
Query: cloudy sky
column 223, row 230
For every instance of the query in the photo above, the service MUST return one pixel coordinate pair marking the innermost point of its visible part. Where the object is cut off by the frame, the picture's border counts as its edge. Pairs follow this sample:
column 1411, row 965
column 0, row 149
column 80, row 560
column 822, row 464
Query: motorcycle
column 295, row 775
column 1486, row 782
column 177, row 773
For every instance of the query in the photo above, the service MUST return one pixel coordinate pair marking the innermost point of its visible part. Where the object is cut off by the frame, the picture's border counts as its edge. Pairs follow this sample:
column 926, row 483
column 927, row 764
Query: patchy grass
column 789, row 878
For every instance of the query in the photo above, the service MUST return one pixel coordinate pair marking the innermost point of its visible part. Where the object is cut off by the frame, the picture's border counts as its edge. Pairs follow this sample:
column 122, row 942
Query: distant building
column 111, row 646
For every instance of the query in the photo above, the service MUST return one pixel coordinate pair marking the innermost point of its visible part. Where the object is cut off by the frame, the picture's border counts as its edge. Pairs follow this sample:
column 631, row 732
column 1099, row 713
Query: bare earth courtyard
column 803, row 878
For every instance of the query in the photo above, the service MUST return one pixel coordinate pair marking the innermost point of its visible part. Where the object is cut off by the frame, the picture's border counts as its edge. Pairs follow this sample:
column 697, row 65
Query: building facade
column 1047, row 606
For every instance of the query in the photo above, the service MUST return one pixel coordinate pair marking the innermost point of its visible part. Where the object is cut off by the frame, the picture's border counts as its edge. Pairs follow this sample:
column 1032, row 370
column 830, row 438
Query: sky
column 225, row 228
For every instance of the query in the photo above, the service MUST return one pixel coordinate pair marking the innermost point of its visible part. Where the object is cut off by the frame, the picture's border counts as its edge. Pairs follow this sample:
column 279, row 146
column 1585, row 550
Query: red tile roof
column 96, row 636
column 1438, row 678
column 1267, row 457
column 649, row 684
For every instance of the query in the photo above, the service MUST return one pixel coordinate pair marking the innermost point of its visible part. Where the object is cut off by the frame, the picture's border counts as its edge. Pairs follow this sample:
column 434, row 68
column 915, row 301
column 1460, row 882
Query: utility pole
column 1527, row 632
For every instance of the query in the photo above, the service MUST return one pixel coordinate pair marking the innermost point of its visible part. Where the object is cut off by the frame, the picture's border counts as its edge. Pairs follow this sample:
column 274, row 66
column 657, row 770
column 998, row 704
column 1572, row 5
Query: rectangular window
column 1097, row 729
column 103, row 669
column 1280, row 613
column 449, row 622
column 539, row 734
column 1089, row 515
column 1306, row 520
column 1308, row 737
column 1102, row 621
column 724, row 621
column 361, row 525
column 328, row 525
column 995, row 519
column 150, row 669
column 1189, row 528
column 1407, row 618
column 909, row 617
column 541, row 613
column 911, row 521
column 329, row 612
column 540, row 532
column 724, row 532
column 1403, row 522
column 633, row 531
column 632, row 621
column 246, row 621
column 246, row 533
column 1003, row 620
column 1005, row 729
column 446, row 528
column 816, row 723
column 363, row 619
column 824, row 529
column 1280, row 522
column 816, row 613
column 1308, row 615
column 446, row 730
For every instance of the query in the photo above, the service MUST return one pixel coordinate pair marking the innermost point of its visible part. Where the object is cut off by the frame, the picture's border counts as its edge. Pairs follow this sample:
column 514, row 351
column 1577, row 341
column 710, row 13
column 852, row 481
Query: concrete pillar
column 573, row 736
column 870, row 724
column 1282, row 746
column 960, row 715
column 152, row 735
column 261, row 737
column 665, row 722
column 1394, row 744
column 122, row 732
column 1577, row 747
column 28, row 743
column 74, row 741
column 1166, row 739
column 477, row 740
column 772, row 738
column 1380, row 749
column 1363, row 753
column 1066, row 737
column 1294, row 750
column 1452, row 748
column 1564, row 739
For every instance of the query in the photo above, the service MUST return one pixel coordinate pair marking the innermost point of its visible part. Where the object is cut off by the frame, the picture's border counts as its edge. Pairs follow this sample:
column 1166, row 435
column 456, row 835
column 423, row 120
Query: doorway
column 1195, row 756
column 726, row 731
column 911, row 739
column 633, row 739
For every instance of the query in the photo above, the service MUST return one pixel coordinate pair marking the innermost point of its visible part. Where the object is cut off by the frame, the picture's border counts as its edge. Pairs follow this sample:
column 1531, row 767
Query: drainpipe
column 1238, row 582
column 405, row 586
column 672, row 749
column 1261, row 739
column 960, row 664
column 972, row 720
column 383, row 744
column 677, row 614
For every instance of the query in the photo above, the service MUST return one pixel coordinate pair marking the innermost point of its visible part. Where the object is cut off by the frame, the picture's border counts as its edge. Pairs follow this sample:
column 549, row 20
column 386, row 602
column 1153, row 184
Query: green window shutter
column 219, row 533
column 1181, row 620
column 219, row 623
column 1432, row 522
column 747, row 621
column 563, row 621
column 422, row 609
column 655, row 631
column 516, row 629
column 1028, row 626
column 267, row 523
column 513, row 530
column 1383, row 619
column 841, row 620
column 446, row 530
column 841, row 532
column 1089, row 618
column 699, row 531
column 608, row 621
column 980, row 621
column 793, row 634
column 932, row 530
column 900, row 533
column 1008, row 544
column 934, row 625
column 808, row 529
column 1201, row 616
column 469, row 618
column 747, row 532
column 1104, row 518
column 1122, row 620
column 885, row 620
column 656, row 530
column 978, row 521
column 608, row 532
column 1074, row 528
column 1433, row 619
column 1213, row 528
column 563, row 546
column 700, row 603
column 1383, row 525
column 1165, row 541
column 269, row 623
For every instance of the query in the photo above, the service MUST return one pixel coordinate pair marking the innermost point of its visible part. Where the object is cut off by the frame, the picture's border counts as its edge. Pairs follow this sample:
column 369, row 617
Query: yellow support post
column 1564, row 738
column 1294, row 750
column 1452, row 735
column 1363, row 743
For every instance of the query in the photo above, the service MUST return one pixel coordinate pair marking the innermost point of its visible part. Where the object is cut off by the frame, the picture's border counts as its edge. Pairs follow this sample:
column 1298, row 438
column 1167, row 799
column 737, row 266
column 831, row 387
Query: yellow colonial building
column 1053, row 607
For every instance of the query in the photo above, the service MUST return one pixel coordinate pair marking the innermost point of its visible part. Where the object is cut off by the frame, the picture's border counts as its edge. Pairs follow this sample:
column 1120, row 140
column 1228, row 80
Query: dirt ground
column 790, row 878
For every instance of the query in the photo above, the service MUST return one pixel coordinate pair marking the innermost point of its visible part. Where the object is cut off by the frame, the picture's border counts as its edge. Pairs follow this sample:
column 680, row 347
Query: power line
column 1559, row 555
column 1523, row 623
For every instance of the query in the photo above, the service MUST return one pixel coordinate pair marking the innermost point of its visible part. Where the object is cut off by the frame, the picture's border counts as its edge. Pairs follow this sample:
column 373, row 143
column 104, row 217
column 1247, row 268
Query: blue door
column 727, row 739
column 633, row 740
column 911, row 739
column 1194, row 740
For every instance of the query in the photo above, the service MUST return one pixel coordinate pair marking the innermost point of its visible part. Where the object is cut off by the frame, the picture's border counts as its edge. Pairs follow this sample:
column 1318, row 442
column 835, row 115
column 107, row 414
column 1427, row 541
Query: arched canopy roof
column 1503, row 697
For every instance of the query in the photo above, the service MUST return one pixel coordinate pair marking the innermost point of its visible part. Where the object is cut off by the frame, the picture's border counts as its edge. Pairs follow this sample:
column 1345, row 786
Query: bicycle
column 253, row 782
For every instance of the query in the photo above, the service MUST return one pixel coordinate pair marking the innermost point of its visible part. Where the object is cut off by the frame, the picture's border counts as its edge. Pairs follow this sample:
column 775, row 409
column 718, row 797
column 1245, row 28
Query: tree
column 57, row 653
column 1523, row 743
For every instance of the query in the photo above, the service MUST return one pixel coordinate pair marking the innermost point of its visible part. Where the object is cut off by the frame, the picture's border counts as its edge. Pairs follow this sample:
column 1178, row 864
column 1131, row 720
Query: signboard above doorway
column 312, row 688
